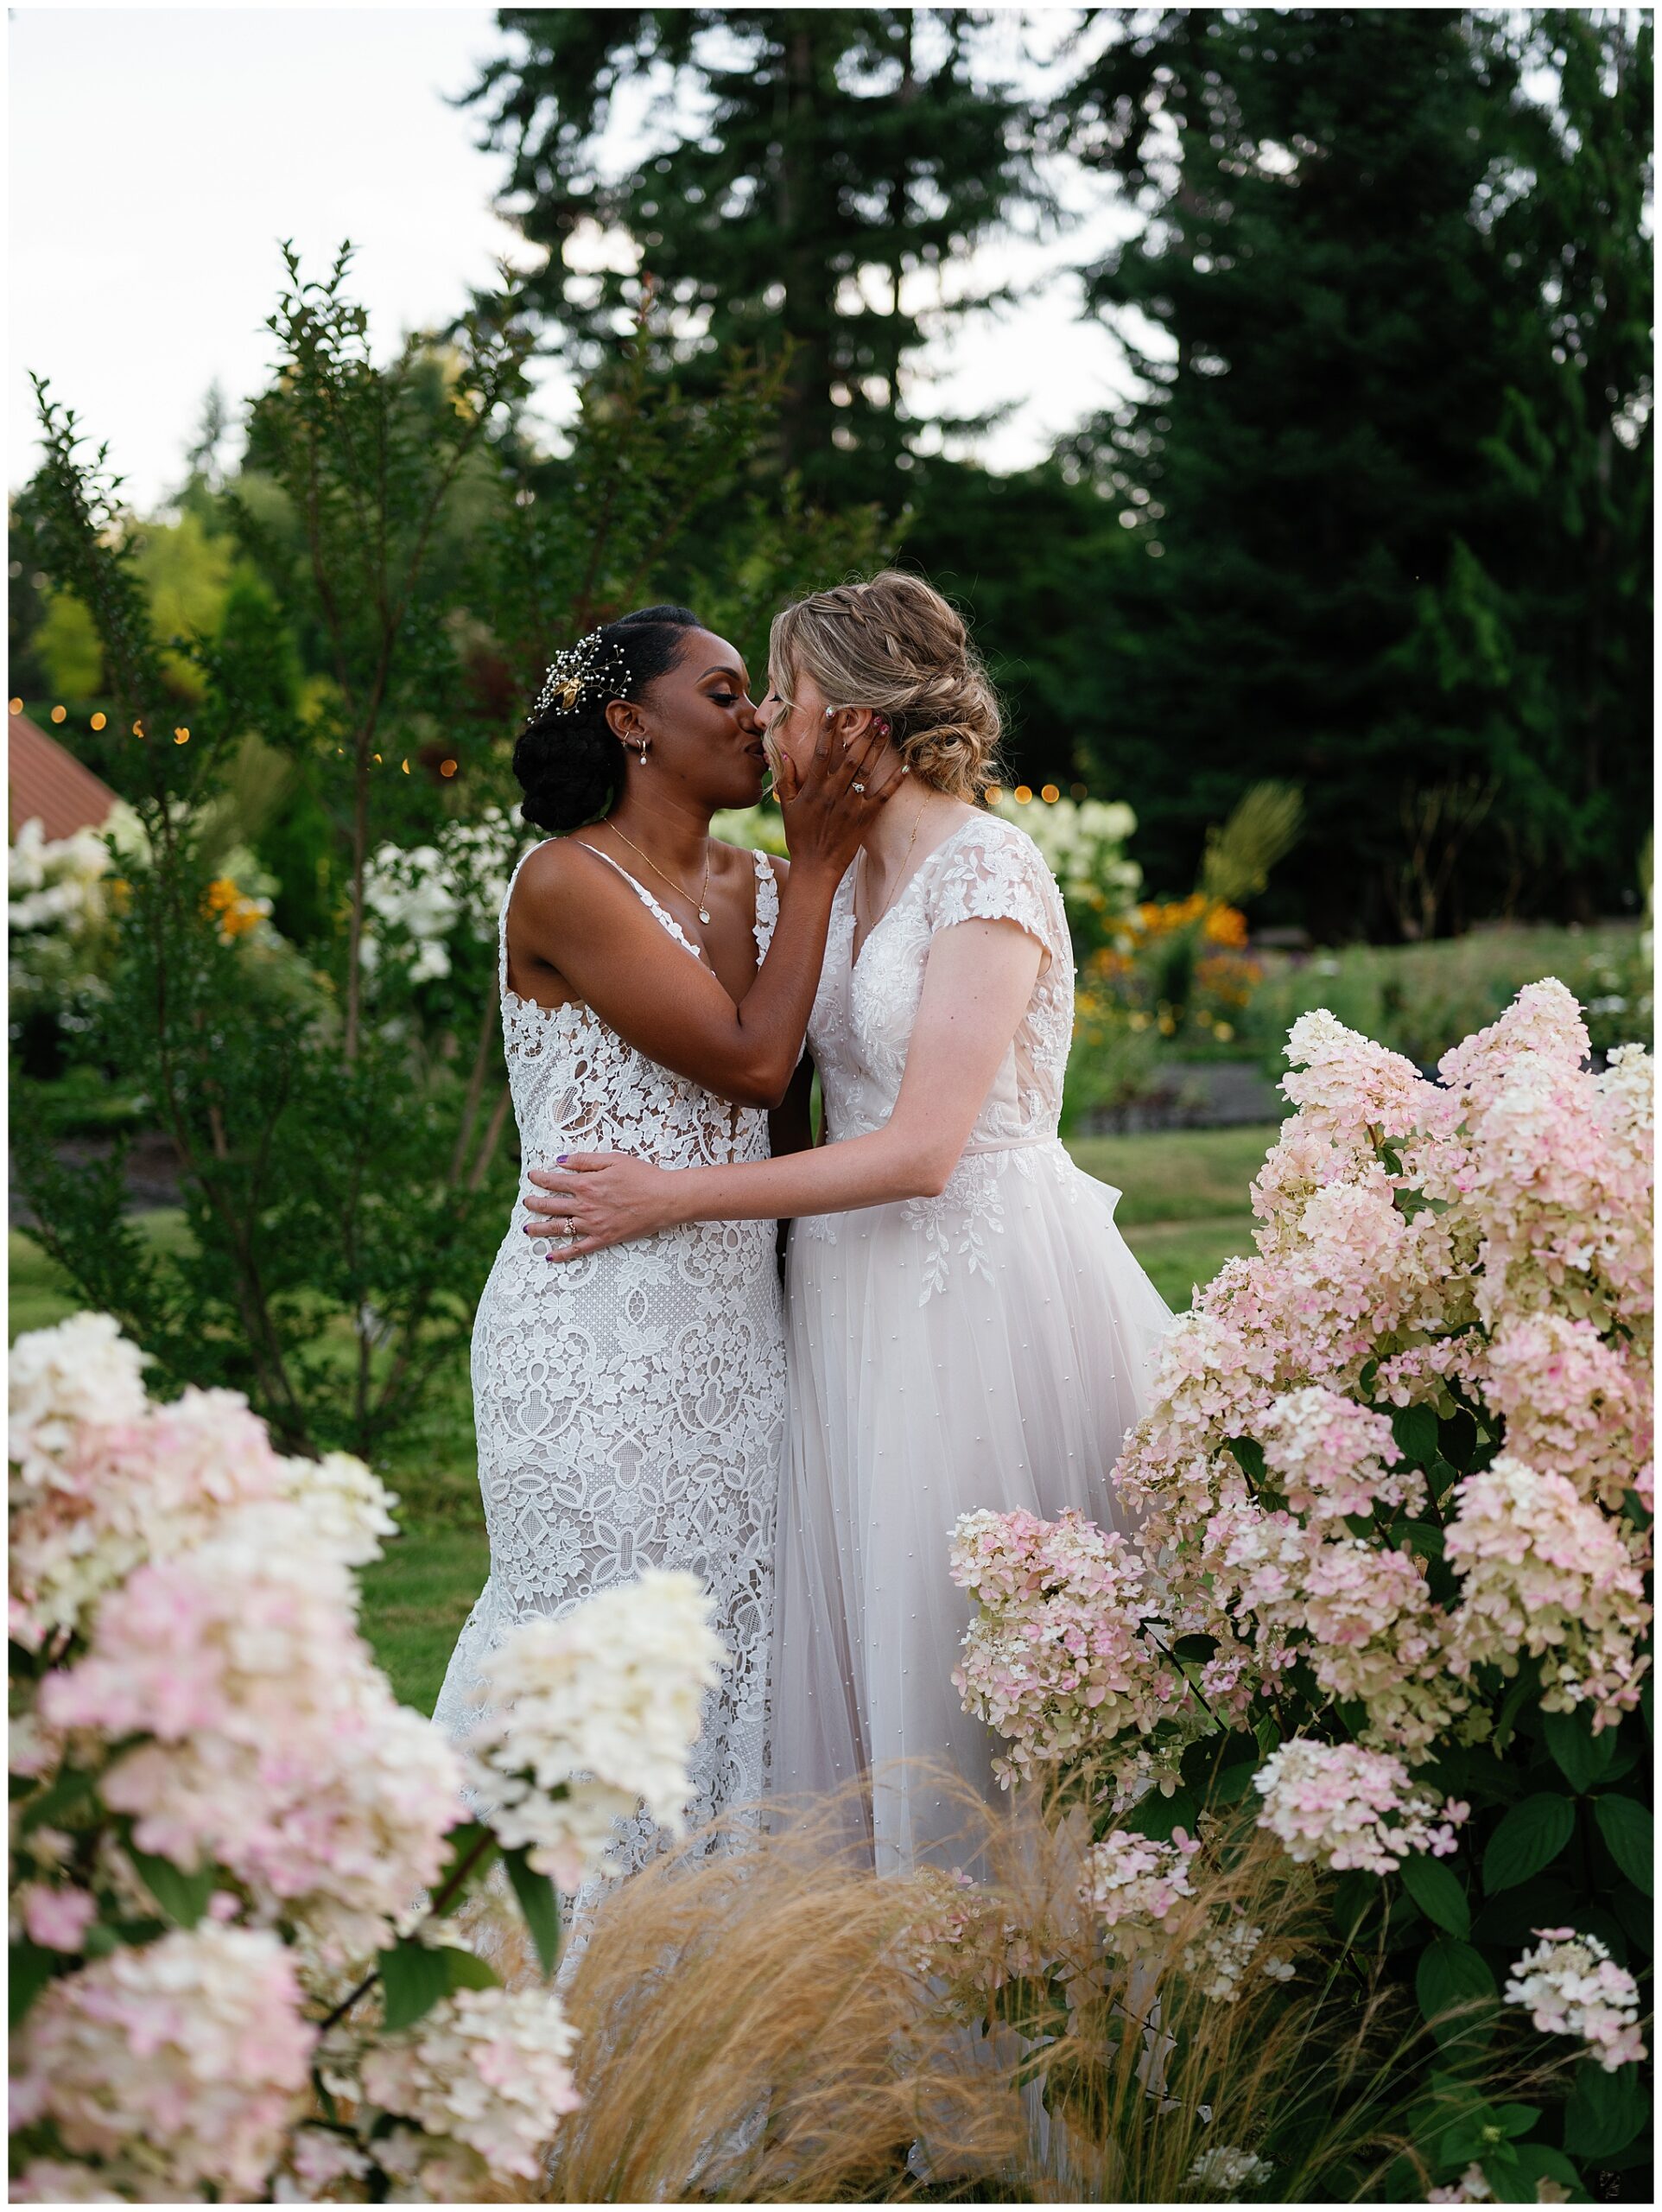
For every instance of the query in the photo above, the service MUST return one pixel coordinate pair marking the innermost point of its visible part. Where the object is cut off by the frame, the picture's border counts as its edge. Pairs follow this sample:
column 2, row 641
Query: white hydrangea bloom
column 84, row 1369
column 347, row 1508
column 186, row 2059
column 485, row 2067
column 425, row 894
column 1223, row 2173
column 1572, row 1987
column 594, row 1713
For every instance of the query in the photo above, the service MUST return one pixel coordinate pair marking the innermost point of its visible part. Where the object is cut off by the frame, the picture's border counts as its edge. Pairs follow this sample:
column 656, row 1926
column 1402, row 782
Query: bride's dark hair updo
column 570, row 764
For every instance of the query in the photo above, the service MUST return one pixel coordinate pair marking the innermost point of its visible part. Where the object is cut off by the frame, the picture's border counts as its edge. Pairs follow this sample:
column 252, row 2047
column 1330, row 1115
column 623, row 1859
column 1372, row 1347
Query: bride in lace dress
column 630, row 1410
column 965, row 1326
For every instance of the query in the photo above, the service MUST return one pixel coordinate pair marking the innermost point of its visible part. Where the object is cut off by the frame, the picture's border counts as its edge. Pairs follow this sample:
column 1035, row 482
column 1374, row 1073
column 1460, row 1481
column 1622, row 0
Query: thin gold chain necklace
column 900, row 881
column 702, row 902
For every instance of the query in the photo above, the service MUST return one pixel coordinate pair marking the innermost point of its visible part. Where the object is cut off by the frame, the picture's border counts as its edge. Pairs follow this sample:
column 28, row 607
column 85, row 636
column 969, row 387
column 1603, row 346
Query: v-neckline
column 894, row 905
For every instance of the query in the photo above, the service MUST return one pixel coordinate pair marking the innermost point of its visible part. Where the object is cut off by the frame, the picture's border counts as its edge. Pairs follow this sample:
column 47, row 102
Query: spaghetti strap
column 661, row 912
column 502, row 924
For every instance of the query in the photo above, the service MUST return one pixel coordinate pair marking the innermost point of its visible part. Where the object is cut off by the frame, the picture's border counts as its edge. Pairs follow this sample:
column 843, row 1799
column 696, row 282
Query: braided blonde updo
column 894, row 644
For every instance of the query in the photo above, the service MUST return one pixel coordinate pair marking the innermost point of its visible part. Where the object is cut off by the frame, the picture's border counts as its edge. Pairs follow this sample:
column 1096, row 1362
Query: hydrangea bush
column 235, row 1857
column 1389, row 1601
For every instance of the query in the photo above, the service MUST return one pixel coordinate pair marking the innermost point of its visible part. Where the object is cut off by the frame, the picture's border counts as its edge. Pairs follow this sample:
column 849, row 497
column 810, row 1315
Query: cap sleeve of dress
column 994, row 872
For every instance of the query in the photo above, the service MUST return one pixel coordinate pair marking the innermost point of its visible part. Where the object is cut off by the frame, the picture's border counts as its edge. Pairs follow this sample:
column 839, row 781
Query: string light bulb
column 99, row 720
column 447, row 767
column 59, row 714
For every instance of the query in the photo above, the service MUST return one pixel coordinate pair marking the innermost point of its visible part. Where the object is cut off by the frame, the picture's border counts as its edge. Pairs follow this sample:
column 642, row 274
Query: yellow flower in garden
column 224, row 903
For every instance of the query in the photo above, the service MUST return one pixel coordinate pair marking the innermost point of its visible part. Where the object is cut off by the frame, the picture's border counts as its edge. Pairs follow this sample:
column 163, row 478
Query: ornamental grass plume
column 768, row 2022
column 1177, row 2014
column 753, row 2026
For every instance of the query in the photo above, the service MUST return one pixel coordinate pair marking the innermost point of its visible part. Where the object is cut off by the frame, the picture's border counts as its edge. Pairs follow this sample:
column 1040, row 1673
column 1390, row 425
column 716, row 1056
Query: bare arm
column 790, row 1125
column 574, row 914
column 976, row 989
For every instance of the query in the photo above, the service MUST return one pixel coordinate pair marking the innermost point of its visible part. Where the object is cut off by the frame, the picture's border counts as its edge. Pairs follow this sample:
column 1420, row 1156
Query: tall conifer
column 1388, row 479
column 798, row 165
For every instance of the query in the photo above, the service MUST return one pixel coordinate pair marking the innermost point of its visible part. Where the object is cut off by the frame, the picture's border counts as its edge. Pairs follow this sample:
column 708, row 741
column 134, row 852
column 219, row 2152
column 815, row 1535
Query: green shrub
column 1421, row 998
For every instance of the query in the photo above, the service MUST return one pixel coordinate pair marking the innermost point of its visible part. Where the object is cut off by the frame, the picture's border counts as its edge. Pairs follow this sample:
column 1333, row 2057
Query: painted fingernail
column 563, row 1158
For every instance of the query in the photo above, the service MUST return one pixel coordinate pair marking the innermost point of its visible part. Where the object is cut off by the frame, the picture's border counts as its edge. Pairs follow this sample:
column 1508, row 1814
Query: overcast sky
column 158, row 154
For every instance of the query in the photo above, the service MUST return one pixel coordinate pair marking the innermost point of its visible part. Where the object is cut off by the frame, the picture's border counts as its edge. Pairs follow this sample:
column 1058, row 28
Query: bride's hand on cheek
column 587, row 1200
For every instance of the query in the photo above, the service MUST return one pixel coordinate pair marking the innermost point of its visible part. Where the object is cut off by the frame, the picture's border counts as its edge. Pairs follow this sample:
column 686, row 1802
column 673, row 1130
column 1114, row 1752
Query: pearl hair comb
column 582, row 667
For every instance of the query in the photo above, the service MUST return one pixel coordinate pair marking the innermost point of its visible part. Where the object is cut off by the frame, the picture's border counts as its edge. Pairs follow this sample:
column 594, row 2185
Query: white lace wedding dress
column 629, row 1406
column 986, row 1348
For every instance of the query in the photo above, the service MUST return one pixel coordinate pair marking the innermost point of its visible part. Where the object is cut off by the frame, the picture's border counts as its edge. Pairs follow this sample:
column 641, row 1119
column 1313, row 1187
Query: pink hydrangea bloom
column 1332, row 1456
column 488, row 2067
column 1572, row 1987
column 1135, row 1885
column 56, row 1919
column 106, row 1480
column 1346, row 1806
column 273, row 1744
column 1058, row 1656
column 1576, row 1403
column 187, row 2060
column 1544, row 1572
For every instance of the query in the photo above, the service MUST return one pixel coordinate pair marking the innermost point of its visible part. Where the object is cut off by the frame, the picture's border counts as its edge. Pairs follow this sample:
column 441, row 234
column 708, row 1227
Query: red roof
column 50, row 786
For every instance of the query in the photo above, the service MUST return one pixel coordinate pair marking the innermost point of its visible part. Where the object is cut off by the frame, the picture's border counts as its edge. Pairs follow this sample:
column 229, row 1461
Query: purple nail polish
column 563, row 1158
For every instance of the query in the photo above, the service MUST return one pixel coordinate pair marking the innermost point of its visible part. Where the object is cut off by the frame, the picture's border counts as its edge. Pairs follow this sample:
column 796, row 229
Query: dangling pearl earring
column 641, row 754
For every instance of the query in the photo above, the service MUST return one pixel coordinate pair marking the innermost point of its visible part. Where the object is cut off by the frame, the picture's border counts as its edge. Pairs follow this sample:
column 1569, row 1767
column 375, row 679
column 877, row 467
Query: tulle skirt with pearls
column 987, row 1348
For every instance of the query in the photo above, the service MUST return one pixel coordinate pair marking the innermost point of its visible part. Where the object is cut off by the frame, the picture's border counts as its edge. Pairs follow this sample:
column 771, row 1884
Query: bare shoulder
column 561, row 866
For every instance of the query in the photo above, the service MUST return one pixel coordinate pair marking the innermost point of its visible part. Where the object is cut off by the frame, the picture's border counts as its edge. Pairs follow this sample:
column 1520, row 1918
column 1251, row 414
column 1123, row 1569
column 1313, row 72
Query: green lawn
column 1183, row 1210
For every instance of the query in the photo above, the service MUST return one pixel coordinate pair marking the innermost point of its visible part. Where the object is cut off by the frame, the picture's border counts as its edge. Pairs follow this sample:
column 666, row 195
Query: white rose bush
column 428, row 907
column 236, row 1859
column 1389, row 1604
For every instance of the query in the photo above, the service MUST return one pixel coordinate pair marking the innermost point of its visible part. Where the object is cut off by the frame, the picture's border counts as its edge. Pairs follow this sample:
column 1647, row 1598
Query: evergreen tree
column 1035, row 560
column 805, row 163
column 1388, row 481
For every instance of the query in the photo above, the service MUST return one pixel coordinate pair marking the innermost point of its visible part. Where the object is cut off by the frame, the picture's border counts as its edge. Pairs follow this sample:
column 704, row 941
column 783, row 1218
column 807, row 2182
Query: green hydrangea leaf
column 1528, row 1838
column 1435, row 1890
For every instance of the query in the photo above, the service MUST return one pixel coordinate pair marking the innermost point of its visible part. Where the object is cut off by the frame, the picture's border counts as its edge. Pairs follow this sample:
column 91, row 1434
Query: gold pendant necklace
column 698, row 904
column 899, row 883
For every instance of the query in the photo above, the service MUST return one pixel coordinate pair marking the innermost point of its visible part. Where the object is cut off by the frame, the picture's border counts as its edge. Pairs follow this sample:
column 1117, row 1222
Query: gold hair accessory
column 590, row 665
